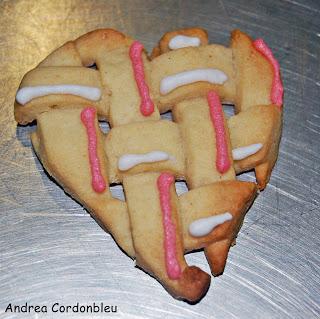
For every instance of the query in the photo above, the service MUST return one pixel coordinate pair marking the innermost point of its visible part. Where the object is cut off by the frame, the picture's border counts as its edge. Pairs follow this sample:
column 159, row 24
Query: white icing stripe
column 26, row 94
column 243, row 152
column 171, row 82
column 182, row 41
column 203, row 226
column 128, row 161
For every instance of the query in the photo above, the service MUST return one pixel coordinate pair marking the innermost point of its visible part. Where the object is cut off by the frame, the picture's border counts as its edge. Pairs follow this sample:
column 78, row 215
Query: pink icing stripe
column 216, row 114
column 87, row 118
column 146, row 106
column 277, row 87
column 164, row 182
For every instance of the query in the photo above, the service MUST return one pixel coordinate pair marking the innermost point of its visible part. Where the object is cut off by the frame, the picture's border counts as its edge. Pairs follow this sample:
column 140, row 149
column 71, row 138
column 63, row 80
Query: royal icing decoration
column 216, row 114
column 203, row 226
column 128, row 161
column 87, row 118
column 277, row 87
column 182, row 41
column 28, row 93
column 171, row 82
column 146, row 105
column 245, row 151
column 164, row 182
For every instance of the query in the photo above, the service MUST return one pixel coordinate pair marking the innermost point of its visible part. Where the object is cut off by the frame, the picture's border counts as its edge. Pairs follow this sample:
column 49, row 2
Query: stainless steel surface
column 52, row 251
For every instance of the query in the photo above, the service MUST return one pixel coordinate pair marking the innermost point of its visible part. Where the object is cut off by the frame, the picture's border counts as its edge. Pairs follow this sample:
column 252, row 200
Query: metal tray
column 52, row 251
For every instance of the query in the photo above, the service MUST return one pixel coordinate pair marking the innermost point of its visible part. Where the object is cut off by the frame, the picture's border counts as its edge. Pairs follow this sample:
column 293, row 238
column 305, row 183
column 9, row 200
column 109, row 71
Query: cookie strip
column 67, row 55
column 254, row 73
column 58, row 87
column 61, row 143
column 180, row 38
column 186, row 60
column 125, row 99
column 201, row 145
column 57, row 75
column 142, row 138
column 110, row 51
column 94, row 47
column 209, row 203
column 153, row 233
column 260, row 124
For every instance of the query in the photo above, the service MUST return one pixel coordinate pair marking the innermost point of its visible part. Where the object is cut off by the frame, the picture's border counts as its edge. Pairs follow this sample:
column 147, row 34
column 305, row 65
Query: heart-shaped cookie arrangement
column 107, row 76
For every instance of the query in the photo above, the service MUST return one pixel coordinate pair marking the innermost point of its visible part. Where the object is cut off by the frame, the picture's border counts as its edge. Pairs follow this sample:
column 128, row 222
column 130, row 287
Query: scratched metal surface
column 52, row 251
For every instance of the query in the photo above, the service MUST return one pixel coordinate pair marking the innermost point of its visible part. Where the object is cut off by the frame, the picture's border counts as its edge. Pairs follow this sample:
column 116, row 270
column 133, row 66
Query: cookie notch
column 189, row 81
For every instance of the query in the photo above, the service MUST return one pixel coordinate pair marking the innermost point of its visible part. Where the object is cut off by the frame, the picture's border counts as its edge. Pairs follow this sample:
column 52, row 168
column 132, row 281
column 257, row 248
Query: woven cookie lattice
column 147, row 154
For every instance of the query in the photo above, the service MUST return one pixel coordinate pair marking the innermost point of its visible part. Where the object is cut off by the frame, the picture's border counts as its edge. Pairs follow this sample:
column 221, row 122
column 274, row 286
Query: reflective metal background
column 52, row 251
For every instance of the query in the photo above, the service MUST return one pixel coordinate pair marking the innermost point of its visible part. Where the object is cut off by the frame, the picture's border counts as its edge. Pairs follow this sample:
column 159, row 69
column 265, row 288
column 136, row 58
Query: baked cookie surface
column 146, row 154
